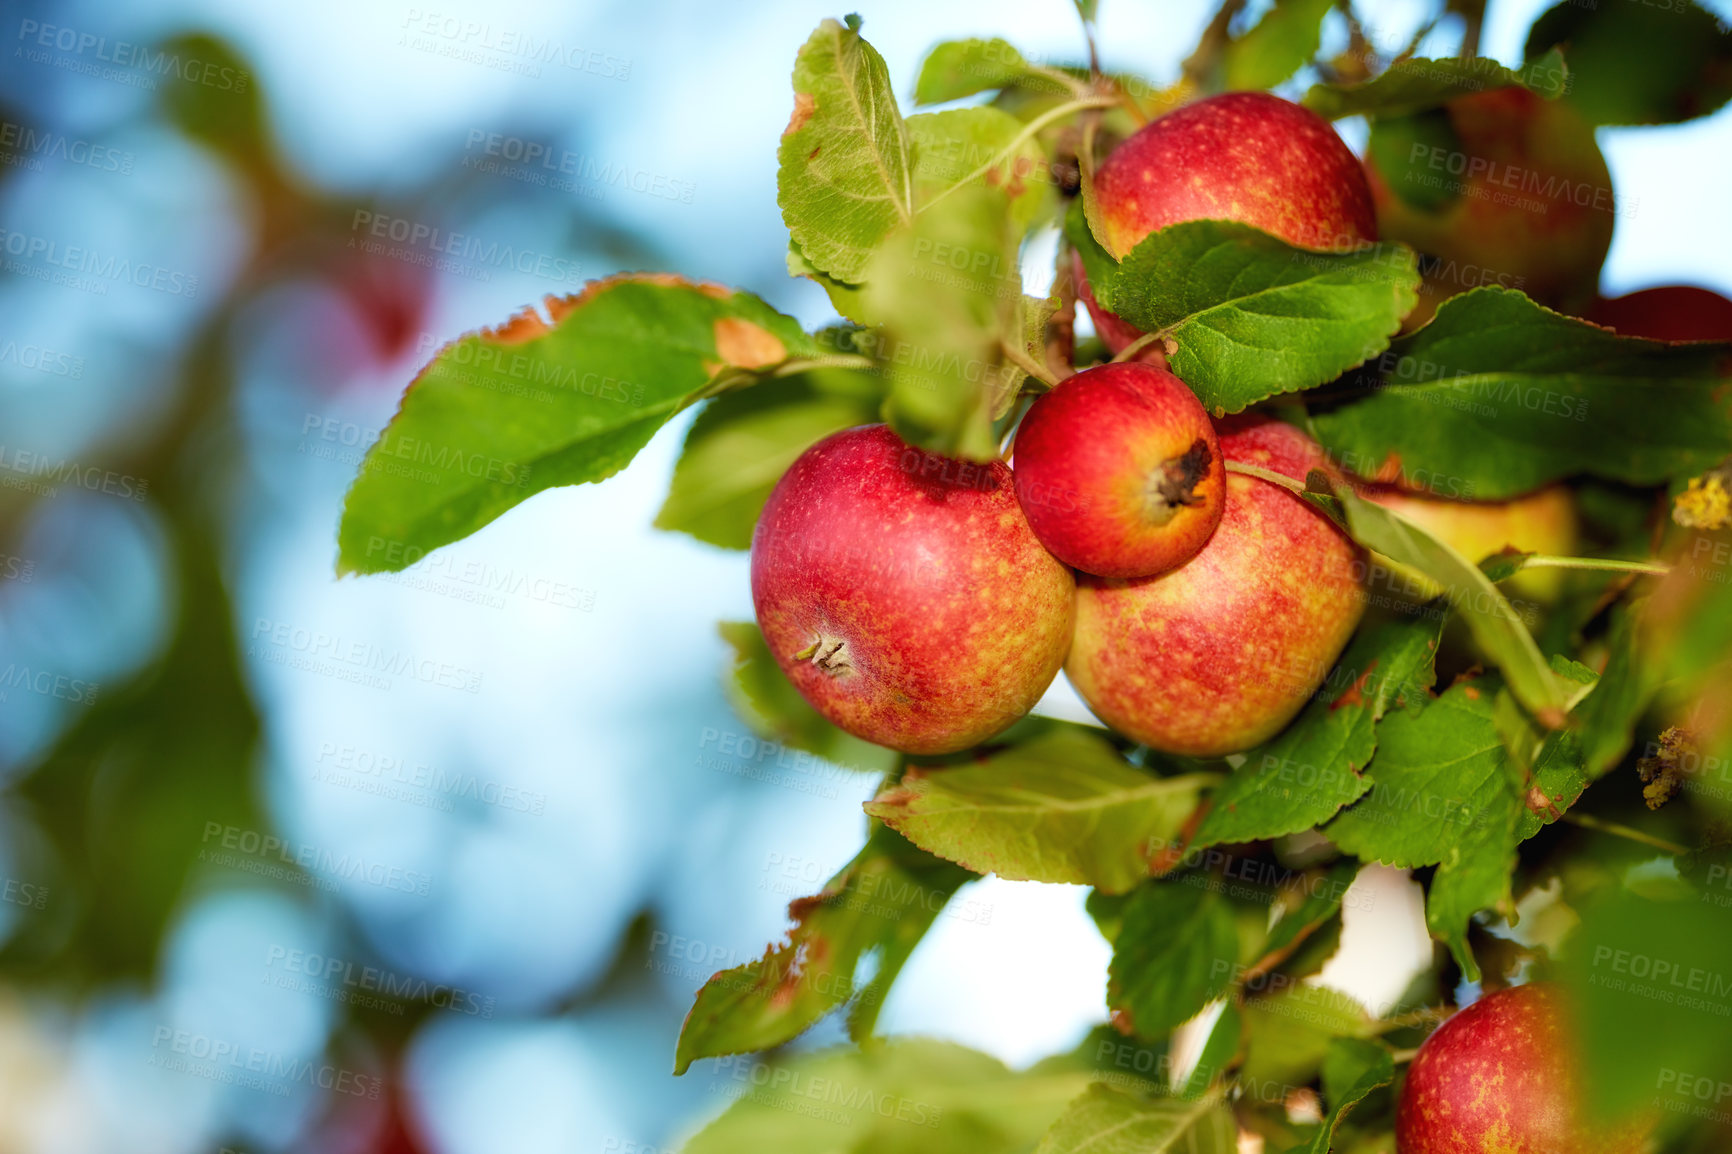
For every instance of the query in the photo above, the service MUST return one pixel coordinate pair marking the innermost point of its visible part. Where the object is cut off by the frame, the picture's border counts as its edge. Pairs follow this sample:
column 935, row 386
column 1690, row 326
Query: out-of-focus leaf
column 742, row 443
column 912, row 1096
column 1289, row 1032
column 1105, row 1121
column 1249, row 316
column 1639, row 63
column 844, row 298
column 949, row 290
column 959, row 68
column 967, row 146
column 1416, row 85
column 1175, row 952
column 1651, row 985
column 845, row 179
column 874, row 912
column 1503, row 395
column 1393, row 143
column 1319, row 898
column 1062, row 808
column 764, row 697
column 502, row 414
column 1277, row 46
column 1312, row 769
column 211, row 96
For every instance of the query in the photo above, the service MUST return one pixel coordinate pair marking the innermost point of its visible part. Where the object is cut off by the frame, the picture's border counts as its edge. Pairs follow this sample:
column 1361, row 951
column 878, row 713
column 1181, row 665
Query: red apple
column 1673, row 312
column 1220, row 653
column 904, row 594
column 1515, row 193
column 1119, row 472
column 1501, row 1076
column 1245, row 156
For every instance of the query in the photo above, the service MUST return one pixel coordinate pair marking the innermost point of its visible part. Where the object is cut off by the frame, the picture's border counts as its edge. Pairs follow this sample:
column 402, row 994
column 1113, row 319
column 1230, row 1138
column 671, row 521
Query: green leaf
column 1417, row 85
column 1650, row 983
column 1320, row 897
column 1475, row 876
column 1280, row 44
column 872, row 914
column 844, row 298
column 1249, row 316
column 1608, row 714
column 1639, row 63
column 742, row 443
column 1175, row 952
column 845, row 177
column 970, row 146
column 1504, row 396
column 1105, row 1121
column 1351, row 1070
column 950, row 292
column 505, row 413
column 1219, row 1052
column 911, row 1096
column 1312, row 769
column 1064, row 807
column 1396, row 141
column 1489, row 616
column 959, row 68
column 1288, row 1034
column 767, row 701
column 1440, row 780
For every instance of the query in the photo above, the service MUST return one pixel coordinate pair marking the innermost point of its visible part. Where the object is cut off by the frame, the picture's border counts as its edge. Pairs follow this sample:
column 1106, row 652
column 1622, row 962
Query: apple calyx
column 829, row 654
column 1173, row 486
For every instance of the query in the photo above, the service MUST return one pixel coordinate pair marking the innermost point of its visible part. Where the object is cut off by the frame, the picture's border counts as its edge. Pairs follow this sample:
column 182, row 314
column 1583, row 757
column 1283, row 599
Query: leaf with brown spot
column 503, row 413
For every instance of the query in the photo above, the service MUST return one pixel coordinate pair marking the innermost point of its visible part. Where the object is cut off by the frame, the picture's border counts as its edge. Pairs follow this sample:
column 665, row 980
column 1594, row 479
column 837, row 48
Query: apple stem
column 1028, row 132
column 1588, row 822
column 1138, row 346
column 1402, row 1057
column 1263, row 474
column 1549, row 561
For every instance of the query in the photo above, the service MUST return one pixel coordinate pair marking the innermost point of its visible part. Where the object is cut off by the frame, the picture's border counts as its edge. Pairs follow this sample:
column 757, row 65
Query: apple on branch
column 904, row 594
column 1245, row 156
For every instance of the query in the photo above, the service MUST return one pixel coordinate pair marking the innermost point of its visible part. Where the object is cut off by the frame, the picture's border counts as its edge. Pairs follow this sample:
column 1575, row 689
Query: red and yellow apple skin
column 1244, row 156
column 1533, row 210
column 904, row 594
column 1543, row 521
column 1674, row 312
column 1220, row 653
column 1500, row 1078
column 1119, row 471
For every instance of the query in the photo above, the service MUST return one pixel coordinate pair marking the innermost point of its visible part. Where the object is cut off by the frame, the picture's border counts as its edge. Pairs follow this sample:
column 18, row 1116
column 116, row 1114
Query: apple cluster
column 925, row 604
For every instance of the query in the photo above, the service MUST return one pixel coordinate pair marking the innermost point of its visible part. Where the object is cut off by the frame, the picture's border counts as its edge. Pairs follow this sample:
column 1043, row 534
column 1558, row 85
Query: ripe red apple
column 1220, row 653
column 1119, row 471
column 1501, row 1076
column 1674, row 312
column 1514, row 193
column 904, row 594
column 1245, row 156
column 1543, row 521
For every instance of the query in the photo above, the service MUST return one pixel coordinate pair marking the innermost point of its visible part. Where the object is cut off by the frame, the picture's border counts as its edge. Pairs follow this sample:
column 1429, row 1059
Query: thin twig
column 1138, row 345
column 1028, row 132
column 1610, row 564
column 1624, row 831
